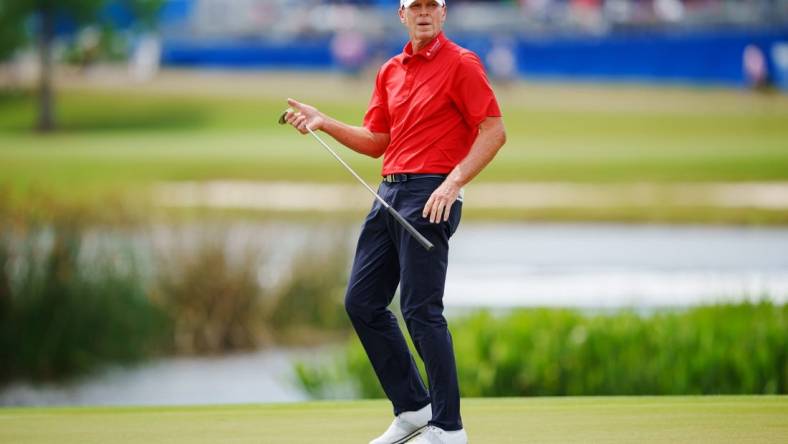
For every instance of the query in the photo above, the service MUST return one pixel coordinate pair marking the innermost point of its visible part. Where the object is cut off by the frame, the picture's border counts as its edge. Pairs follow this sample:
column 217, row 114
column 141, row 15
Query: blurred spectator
column 756, row 70
column 587, row 13
column 502, row 61
column 144, row 62
column 779, row 54
column 349, row 50
column 669, row 10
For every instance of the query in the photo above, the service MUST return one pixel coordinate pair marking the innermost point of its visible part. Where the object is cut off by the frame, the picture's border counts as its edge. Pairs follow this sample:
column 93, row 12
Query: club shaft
column 413, row 231
column 347, row 167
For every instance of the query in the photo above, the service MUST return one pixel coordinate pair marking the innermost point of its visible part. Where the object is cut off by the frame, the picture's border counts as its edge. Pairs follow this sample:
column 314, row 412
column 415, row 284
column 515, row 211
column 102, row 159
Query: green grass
column 124, row 139
column 118, row 142
column 717, row 419
column 132, row 138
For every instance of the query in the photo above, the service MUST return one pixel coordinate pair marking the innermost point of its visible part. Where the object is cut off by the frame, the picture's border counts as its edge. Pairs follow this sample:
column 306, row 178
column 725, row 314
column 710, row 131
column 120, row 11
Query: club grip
column 413, row 232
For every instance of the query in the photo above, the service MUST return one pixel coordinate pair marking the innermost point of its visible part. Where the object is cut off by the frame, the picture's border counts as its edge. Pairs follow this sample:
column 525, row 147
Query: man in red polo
column 435, row 119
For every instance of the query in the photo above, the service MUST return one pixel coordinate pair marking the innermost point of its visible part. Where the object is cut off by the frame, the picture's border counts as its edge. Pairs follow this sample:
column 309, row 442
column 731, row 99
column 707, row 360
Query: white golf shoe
column 436, row 435
column 405, row 426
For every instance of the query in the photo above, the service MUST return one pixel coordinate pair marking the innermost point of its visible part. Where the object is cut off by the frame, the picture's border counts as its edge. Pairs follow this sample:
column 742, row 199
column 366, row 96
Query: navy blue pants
column 385, row 257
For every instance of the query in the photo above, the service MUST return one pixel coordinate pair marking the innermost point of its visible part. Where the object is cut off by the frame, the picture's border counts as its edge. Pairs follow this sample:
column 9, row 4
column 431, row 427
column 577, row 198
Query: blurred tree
column 43, row 15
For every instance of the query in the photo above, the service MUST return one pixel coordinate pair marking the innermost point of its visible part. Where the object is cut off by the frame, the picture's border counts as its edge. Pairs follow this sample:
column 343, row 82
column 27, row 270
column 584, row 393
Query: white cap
column 406, row 3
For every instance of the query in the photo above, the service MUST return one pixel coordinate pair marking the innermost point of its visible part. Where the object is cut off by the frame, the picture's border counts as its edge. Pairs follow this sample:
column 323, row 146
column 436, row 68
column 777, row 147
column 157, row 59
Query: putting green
column 690, row 419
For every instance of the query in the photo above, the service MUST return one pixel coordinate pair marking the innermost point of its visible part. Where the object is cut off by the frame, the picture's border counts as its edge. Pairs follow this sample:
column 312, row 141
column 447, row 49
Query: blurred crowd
column 737, row 41
column 287, row 18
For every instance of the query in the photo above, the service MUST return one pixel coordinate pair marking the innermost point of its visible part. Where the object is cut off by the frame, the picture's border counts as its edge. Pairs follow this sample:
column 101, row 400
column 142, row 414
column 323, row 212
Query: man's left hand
column 439, row 204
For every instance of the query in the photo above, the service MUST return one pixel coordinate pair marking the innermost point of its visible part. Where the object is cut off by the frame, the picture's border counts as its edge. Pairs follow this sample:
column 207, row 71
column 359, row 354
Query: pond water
column 264, row 376
column 610, row 266
column 568, row 265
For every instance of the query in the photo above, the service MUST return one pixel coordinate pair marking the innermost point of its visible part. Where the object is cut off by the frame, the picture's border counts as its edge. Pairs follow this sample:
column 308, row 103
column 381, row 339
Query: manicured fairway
column 118, row 140
column 133, row 136
column 712, row 419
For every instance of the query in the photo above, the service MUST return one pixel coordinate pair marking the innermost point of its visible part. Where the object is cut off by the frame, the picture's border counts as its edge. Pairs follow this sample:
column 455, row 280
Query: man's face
column 424, row 19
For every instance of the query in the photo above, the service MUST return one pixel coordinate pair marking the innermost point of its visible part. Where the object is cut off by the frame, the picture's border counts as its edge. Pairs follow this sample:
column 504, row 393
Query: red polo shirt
column 431, row 103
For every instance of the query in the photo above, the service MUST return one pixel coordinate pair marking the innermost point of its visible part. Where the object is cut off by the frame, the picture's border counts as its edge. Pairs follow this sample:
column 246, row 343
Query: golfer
column 435, row 119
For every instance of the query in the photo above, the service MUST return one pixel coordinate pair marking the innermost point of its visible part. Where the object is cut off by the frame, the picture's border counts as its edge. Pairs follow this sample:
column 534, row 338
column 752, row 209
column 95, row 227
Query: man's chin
column 425, row 35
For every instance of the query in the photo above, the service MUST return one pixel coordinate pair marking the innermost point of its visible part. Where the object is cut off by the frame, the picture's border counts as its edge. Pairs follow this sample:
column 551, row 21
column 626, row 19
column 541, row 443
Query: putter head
column 282, row 120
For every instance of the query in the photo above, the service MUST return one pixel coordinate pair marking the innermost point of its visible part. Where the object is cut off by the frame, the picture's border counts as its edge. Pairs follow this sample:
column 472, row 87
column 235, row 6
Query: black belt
column 393, row 178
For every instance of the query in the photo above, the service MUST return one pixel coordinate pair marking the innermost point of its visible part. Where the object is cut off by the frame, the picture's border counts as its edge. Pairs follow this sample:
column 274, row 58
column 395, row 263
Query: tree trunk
column 46, row 99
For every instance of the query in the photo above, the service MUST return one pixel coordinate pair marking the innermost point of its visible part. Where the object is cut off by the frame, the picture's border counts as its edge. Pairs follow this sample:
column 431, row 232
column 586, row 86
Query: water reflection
column 608, row 265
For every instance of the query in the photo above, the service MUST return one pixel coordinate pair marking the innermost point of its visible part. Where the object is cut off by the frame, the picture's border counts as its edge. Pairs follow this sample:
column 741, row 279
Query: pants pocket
column 454, row 218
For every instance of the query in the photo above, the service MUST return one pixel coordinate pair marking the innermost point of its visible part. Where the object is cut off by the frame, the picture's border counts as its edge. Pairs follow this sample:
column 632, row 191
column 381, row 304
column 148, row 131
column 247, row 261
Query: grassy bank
column 718, row 419
column 123, row 140
column 148, row 138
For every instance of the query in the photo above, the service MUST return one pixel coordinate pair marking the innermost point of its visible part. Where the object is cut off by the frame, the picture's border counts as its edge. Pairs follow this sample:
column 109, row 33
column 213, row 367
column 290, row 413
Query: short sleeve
column 471, row 92
column 377, row 117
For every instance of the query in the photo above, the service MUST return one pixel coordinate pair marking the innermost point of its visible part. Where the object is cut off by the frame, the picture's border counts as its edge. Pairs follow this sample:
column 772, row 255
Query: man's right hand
column 357, row 138
column 302, row 116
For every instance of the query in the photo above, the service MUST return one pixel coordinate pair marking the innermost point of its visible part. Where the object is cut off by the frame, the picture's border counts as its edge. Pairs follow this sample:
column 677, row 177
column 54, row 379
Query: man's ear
column 443, row 16
column 401, row 13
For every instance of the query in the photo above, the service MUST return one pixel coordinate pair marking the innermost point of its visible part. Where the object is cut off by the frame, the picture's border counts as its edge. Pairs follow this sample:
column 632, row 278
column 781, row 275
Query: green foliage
column 721, row 349
column 64, row 314
column 44, row 14
column 215, row 305
column 81, row 288
column 11, row 28
column 14, row 13
column 145, row 11
column 311, row 301
column 82, row 11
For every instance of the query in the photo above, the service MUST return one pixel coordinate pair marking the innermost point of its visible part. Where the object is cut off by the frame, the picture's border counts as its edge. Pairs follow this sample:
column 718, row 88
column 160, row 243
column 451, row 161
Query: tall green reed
column 65, row 312
column 215, row 304
column 309, row 305
column 720, row 349
column 84, row 287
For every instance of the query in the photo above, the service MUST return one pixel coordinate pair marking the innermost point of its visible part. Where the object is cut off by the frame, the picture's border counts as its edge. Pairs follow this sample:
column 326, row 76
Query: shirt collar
column 428, row 51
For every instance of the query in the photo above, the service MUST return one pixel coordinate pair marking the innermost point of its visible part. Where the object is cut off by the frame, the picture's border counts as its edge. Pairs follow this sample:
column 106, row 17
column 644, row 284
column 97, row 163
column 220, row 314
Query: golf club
column 418, row 236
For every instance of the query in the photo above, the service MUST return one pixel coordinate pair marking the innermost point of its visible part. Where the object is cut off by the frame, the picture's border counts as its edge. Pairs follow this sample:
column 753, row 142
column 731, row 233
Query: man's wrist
column 455, row 181
column 326, row 122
